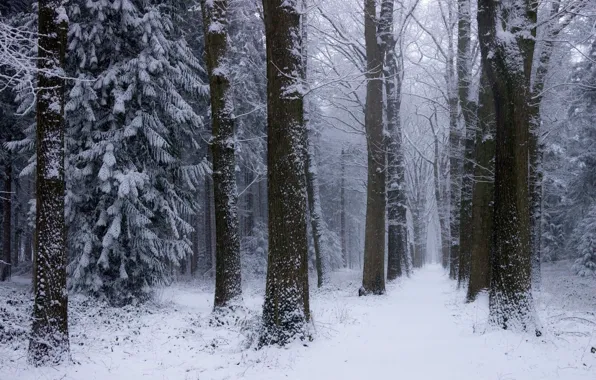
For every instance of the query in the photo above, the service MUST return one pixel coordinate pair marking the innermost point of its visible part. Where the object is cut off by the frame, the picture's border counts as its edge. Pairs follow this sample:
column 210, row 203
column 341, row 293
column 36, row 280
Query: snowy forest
column 321, row 189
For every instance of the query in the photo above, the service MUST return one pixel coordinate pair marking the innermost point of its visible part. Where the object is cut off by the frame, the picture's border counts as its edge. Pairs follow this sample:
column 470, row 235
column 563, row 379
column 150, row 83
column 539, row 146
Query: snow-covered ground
column 421, row 329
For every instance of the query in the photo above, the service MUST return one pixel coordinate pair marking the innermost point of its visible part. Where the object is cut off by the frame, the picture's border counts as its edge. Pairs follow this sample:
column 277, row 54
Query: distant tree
column 49, row 343
column 286, row 310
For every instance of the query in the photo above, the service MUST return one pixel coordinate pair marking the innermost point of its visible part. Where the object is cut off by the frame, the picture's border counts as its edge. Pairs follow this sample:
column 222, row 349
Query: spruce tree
column 131, row 127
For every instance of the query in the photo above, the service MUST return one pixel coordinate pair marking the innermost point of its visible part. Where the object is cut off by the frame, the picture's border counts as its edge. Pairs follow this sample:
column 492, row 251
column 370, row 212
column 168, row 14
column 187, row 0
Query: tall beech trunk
column 207, row 258
column 342, row 215
column 286, row 310
column 373, row 279
column 468, row 109
column 6, row 196
column 228, row 286
column 397, row 233
column 455, row 153
column 508, row 67
column 482, row 194
column 49, row 333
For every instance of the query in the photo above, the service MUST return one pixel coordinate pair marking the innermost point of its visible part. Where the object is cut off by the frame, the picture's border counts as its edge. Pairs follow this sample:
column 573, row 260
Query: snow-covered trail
column 422, row 330
column 419, row 330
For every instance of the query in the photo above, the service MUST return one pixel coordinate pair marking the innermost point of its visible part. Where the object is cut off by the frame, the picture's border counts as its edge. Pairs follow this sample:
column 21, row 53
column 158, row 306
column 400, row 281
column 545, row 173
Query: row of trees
column 139, row 156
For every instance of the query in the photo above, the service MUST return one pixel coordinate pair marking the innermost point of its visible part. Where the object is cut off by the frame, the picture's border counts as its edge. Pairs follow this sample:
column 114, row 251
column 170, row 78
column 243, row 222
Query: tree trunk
column 207, row 259
column 6, row 196
column 442, row 213
column 316, row 214
column 455, row 176
column 228, row 285
column 342, row 215
column 49, row 333
column 508, row 68
column 397, row 244
column 373, row 280
column 482, row 194
column 286, row 309
column 455, row 154
column 468, row 108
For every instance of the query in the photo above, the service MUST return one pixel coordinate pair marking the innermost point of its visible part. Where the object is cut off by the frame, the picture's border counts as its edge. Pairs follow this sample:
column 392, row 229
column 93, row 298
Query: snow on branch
column 16, row 64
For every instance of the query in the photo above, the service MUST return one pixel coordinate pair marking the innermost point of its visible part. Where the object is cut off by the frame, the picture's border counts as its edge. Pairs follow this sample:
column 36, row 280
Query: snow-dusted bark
column 482, row 194
column 373, row 280
column 49, row 342
column 342, row 213
column 397, row 234
column 6, row 198
column 228, row 286
column 454, row 149
column 507, row 46
column 286, row 310
column 468, row 110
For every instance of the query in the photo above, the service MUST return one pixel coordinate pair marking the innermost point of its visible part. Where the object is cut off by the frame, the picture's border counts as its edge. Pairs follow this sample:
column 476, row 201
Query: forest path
column 421, row 329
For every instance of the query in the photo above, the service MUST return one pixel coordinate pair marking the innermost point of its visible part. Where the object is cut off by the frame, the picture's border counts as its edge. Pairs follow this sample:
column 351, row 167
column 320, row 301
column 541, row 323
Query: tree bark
column 228, row 284
column 342, row 216
column 49, row 333
column 207, row 259
column 482, row 194
column 373, row 280
column 397, row 243
column 439, row 200
column 468, row 109
column 6, row 196
column 455, row 156
column 286, row 309
column 316, row 214
column 508, row 68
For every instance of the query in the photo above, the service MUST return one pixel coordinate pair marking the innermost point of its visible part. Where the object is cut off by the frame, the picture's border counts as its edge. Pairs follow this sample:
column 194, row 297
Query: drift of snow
column 421, row 329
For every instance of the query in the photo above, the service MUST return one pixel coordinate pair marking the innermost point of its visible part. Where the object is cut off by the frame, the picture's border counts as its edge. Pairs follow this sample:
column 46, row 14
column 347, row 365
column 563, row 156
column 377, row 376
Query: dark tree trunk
column 286, row 310
column 482, row 194
column 455, row 176
column 439, row 200
column 468, row 108
column 6, row 196
column 508, row 68
column 49, row 333
column 228, row 285
column 373, row 279
column 207, row 257
column 397, row 233
column 342, row 215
